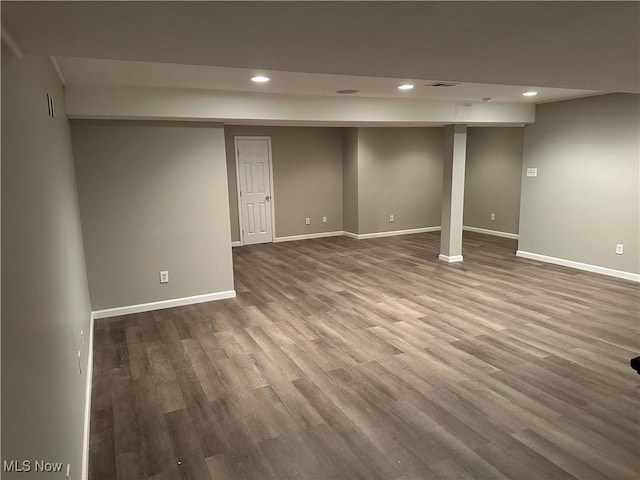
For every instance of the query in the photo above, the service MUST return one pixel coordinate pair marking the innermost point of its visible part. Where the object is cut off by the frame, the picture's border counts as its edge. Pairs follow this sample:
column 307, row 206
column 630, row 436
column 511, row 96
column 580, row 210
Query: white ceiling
column 83, row 71
column 585, row 46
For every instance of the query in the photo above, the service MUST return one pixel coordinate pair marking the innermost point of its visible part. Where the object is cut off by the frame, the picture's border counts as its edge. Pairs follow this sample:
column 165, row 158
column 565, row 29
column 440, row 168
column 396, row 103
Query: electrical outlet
column 532, row 172
column 390, row 218
column 493, row 216
column 164, row 276
column 619, row 248
column 307, row 221
column 324, row 219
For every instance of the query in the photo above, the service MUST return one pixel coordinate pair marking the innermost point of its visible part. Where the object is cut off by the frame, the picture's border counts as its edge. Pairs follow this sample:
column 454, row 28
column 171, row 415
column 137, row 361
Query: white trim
column 308, row 236
column 10, row 42
column 238, row 196
column 273, row 192
column 634, row 277
column 174, row 302
column 271, row 186
column 350, row 235
column 236, row 243
column 452, row 259
column 495, row 233
column 393, row 233
column 87, row 403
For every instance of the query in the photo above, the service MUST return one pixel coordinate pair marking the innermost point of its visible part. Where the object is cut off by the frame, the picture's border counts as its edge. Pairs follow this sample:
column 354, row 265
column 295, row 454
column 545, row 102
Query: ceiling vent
column 442, row 84
column 347, row 91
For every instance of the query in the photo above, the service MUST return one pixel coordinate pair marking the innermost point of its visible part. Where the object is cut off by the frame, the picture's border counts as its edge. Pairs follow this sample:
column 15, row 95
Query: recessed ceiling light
column 405, row 86
column 260, row 79
column 530, row 94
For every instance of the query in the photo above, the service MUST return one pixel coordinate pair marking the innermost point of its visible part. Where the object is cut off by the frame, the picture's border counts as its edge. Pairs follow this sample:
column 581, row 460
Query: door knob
column 267, row 198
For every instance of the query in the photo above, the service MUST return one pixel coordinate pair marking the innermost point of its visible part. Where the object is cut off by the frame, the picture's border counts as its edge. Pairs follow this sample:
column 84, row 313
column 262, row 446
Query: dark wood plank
column 373, row 360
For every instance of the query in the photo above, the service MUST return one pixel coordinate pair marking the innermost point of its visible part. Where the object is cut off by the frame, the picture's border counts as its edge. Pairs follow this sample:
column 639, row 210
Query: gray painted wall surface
column 585, row 198
column 153, row 196
column 400, row 174
column 350, row 179
column 45, row 299
column 307, row 177
column 493, row 178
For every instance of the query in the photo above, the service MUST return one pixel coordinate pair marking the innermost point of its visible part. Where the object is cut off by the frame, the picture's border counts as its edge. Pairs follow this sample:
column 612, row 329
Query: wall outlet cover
column 532, row 172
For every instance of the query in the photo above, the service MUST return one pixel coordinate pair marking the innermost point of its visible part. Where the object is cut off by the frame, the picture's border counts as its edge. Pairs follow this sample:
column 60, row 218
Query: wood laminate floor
column 371, row 359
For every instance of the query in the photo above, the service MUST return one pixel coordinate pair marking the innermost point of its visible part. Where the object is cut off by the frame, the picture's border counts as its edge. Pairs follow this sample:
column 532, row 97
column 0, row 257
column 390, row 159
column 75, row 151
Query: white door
column 253, row 157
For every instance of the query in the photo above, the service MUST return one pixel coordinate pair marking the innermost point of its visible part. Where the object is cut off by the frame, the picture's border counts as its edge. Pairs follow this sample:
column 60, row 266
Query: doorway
column 254, row 174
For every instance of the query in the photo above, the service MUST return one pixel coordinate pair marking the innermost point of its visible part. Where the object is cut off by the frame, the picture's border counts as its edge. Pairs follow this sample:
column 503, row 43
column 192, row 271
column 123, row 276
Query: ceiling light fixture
column 405, row 86
column 529, row 94
column 347, row 91
column 260, row 79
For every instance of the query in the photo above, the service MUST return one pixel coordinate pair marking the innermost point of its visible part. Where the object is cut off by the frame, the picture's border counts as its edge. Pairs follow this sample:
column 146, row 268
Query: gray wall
column 307, row 177
column 350, row 179
column 153, row 196
column 493, row 177
column 585, row 198
column 45, row 300
column 399, row 173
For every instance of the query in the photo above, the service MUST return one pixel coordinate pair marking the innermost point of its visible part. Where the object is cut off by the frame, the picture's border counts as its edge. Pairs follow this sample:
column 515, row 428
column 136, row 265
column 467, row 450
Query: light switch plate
column 532, row 172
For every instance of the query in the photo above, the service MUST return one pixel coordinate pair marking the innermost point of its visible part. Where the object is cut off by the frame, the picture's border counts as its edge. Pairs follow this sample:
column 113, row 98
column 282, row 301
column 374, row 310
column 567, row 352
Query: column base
column 452, row 259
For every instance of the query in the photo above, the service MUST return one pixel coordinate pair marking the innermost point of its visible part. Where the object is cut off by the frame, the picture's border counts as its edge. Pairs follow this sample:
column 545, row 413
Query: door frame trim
column 272, row 187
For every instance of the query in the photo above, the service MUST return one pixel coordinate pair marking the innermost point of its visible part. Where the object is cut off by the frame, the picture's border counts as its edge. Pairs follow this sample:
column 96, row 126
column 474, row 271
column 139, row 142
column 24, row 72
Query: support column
column 455, row 150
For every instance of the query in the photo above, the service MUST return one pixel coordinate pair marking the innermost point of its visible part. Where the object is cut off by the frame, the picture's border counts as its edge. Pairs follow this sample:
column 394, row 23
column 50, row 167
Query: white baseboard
column 394, row 233
column 451, row 259
column 580, row 266
column 308, row 236
column 84, row 474
column 237, row 243
column 174, row 302
column 357, row 236
column 495, row 233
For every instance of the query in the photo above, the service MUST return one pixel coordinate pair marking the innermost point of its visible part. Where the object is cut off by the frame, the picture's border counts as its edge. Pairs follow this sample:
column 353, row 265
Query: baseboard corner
column 450, row 259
